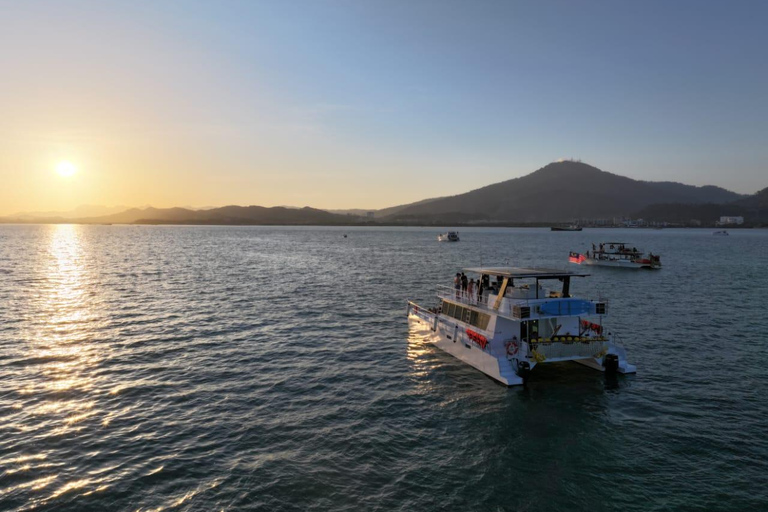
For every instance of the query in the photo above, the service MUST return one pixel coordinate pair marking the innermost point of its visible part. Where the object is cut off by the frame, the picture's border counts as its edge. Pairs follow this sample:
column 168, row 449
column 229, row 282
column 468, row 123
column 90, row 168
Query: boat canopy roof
column 520, row 272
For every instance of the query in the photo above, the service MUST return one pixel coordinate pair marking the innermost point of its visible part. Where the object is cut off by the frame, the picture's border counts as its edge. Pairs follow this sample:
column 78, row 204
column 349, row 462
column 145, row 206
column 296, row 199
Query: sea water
column 271, row 368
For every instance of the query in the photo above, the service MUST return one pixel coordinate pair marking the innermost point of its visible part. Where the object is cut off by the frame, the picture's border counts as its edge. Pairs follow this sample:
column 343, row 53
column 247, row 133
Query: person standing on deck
column 457, row 284
column 471, row 290
column 464, row 283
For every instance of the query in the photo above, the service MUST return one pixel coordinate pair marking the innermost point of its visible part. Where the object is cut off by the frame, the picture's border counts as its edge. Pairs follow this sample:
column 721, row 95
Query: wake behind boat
column 616, row 254
column 451, row 236
column 506, row 328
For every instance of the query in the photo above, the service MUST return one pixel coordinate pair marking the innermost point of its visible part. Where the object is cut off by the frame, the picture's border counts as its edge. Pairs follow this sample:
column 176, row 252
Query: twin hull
column 502, row 360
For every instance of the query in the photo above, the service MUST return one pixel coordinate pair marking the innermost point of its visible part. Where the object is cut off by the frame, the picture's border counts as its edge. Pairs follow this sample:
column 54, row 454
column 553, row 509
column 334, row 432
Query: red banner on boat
column 477, row 338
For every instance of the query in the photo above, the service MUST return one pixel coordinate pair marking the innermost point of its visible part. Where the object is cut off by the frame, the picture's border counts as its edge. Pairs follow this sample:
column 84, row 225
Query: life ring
column 512, row 348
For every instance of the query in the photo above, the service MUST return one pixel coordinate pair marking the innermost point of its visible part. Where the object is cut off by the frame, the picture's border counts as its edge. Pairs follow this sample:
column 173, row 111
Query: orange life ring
column 512, row 347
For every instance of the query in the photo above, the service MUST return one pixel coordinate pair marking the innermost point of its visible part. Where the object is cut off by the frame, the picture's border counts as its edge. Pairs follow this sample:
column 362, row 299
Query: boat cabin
column 529, row 304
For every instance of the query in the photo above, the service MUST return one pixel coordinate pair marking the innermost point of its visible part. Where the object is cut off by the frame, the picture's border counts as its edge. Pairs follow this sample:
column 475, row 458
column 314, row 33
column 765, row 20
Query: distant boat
column 572, row 227
column 451, row 236
column 345, row 236
column 616, row 254
column 721, row 233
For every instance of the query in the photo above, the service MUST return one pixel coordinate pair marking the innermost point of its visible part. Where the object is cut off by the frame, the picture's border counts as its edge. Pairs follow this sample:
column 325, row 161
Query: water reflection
column 63, row 340
column 59, row 384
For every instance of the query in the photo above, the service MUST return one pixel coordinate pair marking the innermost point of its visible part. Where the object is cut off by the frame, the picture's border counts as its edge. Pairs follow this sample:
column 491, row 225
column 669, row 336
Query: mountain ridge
column 558, row 192
column 562, row 191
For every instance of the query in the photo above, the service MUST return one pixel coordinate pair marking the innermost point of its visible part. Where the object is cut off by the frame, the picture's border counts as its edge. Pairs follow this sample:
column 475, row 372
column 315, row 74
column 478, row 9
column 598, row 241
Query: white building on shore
column 729, row 221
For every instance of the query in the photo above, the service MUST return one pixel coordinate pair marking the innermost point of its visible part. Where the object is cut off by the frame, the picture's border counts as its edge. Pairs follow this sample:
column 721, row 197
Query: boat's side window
column 467, row 315
column 482, row 320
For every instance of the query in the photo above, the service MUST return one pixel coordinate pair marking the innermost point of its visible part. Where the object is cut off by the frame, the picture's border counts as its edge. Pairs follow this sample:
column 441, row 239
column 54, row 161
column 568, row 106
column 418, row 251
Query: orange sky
column 366, row 104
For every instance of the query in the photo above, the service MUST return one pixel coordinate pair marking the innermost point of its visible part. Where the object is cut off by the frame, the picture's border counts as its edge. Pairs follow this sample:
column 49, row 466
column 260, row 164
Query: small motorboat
column 451, row 236
column 721, row 233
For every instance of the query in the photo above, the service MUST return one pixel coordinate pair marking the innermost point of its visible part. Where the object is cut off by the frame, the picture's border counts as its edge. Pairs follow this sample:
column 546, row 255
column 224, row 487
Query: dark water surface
column 257, row 368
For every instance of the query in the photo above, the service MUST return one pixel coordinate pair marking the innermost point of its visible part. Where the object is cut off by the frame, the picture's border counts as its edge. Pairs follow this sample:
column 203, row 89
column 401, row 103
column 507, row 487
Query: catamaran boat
column 451, row 236
column 516, row 324
column 616, row 254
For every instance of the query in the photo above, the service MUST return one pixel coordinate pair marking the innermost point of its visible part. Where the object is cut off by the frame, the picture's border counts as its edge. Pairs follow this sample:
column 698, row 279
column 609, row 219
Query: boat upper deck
column 506, row 298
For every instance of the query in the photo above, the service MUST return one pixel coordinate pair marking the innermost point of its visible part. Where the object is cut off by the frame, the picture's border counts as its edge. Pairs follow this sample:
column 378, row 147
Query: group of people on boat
column 620, row 249
column 472, row 289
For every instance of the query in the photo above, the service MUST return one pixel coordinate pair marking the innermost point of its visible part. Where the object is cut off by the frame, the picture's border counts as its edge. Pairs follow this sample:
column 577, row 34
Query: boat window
column 548, row 327
column 467, row 315
column 482, row 321
column 532, row 331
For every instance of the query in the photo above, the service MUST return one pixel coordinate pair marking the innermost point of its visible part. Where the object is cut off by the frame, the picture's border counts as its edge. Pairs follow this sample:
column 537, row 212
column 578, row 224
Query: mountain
column 558, row 192
column 245, row 215
column 758, row 201
column 81, row 211
column 753, row 208
column 384, row 212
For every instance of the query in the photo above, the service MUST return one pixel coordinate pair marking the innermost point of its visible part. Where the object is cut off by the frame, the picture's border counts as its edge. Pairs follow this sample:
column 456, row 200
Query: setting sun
column 66, row 169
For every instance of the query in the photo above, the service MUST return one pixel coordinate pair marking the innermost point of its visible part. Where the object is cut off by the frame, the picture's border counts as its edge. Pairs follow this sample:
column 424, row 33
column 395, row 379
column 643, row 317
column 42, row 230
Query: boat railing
column 464, row 297
column 526, row 308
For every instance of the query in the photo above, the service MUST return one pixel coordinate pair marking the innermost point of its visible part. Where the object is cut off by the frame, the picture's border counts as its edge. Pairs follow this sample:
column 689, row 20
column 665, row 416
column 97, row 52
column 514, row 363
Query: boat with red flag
column 617, row 255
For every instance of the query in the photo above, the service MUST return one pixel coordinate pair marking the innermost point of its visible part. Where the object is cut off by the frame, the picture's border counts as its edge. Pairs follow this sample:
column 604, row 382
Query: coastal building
column 730, row 221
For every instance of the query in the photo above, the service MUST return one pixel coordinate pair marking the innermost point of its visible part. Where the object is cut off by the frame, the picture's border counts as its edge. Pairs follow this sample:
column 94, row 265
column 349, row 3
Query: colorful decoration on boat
column 586, row 325
column 477, row 338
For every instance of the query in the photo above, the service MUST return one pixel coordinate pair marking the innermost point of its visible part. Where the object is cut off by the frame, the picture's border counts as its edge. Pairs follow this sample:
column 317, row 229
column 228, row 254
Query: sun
column 66, row 169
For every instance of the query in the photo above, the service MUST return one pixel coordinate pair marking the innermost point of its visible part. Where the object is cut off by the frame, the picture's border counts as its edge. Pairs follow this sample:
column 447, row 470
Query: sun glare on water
column 66, row 169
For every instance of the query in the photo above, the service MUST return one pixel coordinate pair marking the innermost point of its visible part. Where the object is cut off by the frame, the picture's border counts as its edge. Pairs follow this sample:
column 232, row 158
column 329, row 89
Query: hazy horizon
column 344, row 105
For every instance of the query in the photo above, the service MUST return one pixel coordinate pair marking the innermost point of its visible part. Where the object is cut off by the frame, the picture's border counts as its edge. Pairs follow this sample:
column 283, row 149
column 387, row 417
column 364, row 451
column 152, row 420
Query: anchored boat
column 514, row 323
column 451, row 236
column 616, row 254
column 572, row 227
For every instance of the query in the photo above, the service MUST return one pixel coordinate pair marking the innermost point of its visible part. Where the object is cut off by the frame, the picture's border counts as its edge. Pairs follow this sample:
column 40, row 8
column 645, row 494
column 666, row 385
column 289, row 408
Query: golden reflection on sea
column 59, row 396
column 419, row 349
column 62, row 339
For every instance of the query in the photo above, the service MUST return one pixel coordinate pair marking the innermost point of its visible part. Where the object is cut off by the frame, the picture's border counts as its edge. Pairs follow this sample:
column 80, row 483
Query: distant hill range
column 229, row 215
column 753, row 208
column 558, row 192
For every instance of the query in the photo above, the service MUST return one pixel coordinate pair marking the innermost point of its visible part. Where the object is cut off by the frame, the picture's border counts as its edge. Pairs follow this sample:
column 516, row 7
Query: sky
column 369, row 104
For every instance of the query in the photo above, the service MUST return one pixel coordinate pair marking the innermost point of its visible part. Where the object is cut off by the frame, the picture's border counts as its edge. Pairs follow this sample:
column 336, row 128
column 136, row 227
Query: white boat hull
column 494, row 360
column 616, row 263
column 444, row 337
